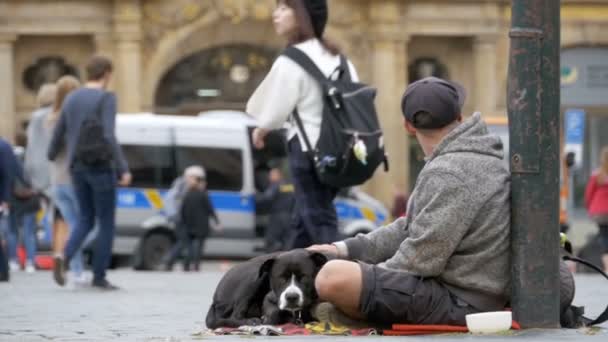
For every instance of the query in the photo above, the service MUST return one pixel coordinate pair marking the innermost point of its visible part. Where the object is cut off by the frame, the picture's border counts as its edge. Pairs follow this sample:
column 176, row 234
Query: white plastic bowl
column 489, row 322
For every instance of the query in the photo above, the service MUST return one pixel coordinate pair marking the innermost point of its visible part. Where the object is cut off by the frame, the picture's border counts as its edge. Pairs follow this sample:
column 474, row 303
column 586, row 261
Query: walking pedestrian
column 62, row 190
column 195, row 212
column 86, row 127
column 289, row 87
column 596, row 201
column 9, row 169
column 278, row 200
column 35, row 165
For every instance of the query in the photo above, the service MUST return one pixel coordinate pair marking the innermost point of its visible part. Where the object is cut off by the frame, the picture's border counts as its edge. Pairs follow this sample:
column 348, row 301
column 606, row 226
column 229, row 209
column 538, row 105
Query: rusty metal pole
column 534, row 125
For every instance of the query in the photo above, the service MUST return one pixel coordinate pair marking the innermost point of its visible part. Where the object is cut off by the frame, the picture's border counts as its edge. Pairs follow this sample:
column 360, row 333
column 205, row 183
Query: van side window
column 151, row 166
column 224, row 166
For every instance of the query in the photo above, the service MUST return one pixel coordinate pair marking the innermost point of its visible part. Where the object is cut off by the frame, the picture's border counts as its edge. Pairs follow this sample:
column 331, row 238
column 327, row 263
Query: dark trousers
column 390, row 297
column 314, row 220
column 4, row 275
column 96, row 194
column 277, row 231
column 192, row 246
column 4, row 272
column 604, row 237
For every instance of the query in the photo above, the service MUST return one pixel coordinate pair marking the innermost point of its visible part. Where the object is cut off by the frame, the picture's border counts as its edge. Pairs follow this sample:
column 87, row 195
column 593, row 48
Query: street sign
column 575, row 134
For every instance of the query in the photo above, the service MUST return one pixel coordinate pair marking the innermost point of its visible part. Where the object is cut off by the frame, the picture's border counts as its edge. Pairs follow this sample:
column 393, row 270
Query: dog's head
column 292, row 278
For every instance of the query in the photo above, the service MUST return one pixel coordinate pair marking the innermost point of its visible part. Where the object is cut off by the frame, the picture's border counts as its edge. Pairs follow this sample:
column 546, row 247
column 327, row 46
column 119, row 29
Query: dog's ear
column 266, row 267
column 319, row 259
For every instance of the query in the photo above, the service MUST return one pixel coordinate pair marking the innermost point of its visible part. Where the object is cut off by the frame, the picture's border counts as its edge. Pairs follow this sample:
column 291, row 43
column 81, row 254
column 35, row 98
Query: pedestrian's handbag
column 25, row 199
column 93, row 147
column 351, row 144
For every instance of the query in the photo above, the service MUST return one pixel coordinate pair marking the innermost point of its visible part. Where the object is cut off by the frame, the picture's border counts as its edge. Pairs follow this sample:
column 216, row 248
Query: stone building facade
column 184, row 56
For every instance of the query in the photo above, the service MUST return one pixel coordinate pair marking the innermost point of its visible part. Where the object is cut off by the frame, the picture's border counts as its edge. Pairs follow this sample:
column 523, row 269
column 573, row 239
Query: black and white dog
column 271, row 289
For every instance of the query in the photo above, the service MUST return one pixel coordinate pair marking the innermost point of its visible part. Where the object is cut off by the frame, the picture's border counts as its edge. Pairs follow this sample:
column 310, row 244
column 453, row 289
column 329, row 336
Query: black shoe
column 59, row 269
column 104, row 285
column 4, row 276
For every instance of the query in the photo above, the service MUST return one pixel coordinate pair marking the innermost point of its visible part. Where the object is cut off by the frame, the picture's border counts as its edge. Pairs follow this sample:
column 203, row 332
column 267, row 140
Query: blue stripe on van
column 345, row 210
column 134, row 198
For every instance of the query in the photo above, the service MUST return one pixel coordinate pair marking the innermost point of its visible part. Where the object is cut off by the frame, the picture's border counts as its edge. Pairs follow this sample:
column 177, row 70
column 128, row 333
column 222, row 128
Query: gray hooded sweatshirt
column 457, row 226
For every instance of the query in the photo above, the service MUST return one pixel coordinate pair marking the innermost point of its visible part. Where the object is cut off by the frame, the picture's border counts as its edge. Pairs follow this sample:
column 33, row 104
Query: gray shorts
column 391, row 297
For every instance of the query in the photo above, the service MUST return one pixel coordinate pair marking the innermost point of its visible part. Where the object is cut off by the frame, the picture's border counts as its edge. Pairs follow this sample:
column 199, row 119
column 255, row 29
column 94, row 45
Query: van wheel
column 153, row 250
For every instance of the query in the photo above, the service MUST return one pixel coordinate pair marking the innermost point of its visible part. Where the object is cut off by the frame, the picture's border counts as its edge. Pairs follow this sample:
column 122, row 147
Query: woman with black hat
column 288, row 87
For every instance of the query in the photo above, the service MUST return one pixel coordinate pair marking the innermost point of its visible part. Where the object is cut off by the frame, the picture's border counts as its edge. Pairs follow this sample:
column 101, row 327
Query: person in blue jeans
column 24, row 203
column 94, row 175
column 63, row 194
column 26, row 220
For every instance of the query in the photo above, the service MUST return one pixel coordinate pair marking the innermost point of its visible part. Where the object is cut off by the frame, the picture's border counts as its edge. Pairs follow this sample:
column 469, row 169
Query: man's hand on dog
column 327, row 249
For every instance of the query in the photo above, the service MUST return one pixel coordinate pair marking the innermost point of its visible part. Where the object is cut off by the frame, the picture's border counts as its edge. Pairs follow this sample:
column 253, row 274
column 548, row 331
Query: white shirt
column 288, row 86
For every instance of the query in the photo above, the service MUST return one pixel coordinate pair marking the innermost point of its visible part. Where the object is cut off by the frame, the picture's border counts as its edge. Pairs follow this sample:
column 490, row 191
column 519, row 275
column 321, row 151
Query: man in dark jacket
column 94, row 174
column 10, row 169
column 278, row 201
column 195, row 211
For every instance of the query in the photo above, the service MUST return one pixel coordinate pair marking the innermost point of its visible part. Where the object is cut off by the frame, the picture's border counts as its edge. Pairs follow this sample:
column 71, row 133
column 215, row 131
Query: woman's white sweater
column 288, row 86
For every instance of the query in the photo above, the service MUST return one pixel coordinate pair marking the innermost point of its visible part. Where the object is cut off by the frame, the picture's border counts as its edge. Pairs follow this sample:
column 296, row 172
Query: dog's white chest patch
column 292, row 298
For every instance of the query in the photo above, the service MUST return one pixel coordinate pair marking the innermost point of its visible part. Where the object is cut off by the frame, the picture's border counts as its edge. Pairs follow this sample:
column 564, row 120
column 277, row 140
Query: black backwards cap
column 442, row 99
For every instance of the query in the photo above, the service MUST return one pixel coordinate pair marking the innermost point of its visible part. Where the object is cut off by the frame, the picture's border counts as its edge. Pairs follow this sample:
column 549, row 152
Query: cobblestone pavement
column 161, row 306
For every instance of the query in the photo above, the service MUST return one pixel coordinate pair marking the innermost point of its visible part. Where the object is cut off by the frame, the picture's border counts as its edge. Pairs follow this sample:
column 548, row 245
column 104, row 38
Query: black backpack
column 350, row 145
column 571, row 316
column 93, row 148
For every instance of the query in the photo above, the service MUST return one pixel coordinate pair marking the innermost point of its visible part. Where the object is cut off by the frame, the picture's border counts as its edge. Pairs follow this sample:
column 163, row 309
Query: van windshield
column 151, row 165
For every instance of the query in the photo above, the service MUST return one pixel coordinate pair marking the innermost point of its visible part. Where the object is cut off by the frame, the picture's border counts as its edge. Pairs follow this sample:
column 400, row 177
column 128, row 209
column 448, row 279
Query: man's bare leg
column 340, row 282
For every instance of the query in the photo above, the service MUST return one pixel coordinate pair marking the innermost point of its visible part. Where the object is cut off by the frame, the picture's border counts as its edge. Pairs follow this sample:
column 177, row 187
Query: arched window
column 47, row 70
column 217, row 78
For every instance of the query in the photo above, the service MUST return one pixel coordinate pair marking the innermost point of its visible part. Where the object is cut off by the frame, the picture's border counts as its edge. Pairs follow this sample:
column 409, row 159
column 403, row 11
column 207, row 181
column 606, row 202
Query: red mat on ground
column 429, row 329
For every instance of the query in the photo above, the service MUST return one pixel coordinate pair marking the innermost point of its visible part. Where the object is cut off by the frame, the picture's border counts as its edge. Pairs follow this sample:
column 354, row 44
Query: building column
column 8, row 117
column 128, row 37
column 389, row 70
column 484, row 54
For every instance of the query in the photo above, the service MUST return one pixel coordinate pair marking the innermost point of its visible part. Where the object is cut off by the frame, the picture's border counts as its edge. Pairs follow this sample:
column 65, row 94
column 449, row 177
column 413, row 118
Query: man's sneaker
column 30, row 267
column 326, row 312
column 13, row 266
column 59, row 270
column 104, row 284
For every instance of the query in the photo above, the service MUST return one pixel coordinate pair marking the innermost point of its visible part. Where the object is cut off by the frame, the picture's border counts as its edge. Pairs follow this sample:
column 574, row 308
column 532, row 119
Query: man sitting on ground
column 449, row 256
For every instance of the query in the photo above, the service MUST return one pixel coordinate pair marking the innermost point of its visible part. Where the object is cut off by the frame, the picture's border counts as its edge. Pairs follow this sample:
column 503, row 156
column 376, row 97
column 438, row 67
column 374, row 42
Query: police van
column 159, row 147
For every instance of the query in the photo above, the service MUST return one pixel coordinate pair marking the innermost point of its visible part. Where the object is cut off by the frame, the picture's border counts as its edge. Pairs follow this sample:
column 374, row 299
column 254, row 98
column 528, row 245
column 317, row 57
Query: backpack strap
column 345, row 74
column 310, row 151
column 302, row 59
column 99, row 103
column 603, row 317
column 307, row 64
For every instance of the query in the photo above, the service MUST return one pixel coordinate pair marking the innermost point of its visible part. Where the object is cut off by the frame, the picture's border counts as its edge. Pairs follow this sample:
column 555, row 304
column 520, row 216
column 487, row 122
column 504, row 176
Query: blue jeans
column 3, row 259
column 66, row 202
column 96, row 193
column 28, row 222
